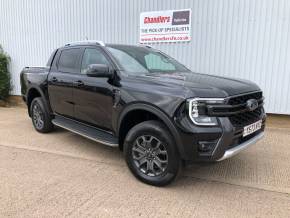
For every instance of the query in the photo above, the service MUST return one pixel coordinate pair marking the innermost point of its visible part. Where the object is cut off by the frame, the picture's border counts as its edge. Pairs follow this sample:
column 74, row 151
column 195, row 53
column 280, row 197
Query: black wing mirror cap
column 99, row 70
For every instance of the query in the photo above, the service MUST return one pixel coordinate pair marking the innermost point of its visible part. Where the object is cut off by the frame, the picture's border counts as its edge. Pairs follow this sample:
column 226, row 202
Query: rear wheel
column 151, row 153
column 40, row 117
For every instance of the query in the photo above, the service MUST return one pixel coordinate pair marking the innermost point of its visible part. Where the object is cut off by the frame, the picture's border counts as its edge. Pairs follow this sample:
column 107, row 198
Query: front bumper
column 226, row 139
column 237, row 149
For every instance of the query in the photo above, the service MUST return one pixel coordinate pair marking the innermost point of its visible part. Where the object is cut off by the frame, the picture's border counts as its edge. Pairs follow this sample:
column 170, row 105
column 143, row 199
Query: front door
column 93, row 97
column 60, row 81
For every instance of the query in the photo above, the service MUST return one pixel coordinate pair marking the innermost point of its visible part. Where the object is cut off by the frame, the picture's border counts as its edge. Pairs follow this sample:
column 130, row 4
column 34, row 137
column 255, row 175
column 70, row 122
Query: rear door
column 60, row 81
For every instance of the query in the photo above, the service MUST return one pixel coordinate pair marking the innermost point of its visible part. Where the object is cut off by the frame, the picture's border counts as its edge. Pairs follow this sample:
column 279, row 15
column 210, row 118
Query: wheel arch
column 34, row 92
column 155, row 113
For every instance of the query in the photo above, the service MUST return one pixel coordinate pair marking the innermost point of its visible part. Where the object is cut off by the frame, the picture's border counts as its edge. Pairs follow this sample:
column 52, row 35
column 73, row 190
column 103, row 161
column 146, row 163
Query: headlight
column 197, row 110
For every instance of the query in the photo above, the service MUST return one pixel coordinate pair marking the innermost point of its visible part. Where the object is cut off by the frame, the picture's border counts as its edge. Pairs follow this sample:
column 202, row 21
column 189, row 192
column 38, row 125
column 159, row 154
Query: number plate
column 252, row 128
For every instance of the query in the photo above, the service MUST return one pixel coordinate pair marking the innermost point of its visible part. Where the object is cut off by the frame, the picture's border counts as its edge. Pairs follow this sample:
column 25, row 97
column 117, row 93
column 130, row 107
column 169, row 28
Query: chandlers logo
column 159, row 19
column 178, row 18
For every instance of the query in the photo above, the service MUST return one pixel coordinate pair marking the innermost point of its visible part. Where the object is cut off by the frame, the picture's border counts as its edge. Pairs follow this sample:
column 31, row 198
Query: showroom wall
column 247, row 39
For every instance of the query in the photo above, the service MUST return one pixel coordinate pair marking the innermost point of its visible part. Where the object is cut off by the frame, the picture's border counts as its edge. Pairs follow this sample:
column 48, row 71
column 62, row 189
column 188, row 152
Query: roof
column 87, row 42
column 101, row 43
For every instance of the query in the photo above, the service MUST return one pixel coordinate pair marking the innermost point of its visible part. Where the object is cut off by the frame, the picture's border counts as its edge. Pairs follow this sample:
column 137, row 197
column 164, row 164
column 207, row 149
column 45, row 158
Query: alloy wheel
column 150, row 155
column 38, row 116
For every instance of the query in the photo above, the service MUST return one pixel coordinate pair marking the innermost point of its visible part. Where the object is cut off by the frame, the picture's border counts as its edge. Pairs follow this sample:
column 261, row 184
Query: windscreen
column 143, row 60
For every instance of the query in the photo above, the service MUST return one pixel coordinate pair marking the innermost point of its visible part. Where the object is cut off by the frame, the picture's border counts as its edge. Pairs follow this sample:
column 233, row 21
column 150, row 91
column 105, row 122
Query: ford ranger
column 155, row 110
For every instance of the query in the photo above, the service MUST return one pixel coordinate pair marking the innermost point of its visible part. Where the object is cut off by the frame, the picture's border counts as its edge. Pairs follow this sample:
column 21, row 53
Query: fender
column 161, row 115
column 43, row 96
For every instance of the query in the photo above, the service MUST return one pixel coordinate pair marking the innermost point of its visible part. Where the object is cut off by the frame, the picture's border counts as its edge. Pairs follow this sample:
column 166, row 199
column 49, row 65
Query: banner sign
column 165, row 26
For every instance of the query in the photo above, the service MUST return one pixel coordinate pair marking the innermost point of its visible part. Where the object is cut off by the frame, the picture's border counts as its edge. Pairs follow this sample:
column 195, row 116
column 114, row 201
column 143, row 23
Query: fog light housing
column 211, row 121
column 206, row 146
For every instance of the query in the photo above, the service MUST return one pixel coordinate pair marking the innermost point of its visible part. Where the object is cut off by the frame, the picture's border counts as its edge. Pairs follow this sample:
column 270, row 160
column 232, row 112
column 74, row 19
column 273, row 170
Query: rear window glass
column 68, row 60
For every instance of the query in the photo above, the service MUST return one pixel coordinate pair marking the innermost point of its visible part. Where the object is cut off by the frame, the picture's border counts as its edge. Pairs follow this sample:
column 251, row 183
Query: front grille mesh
column 249, row 117
column 246, row 118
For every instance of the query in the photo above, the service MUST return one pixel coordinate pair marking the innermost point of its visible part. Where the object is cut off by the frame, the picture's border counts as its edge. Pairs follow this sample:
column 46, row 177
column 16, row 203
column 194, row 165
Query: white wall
column 239, row 38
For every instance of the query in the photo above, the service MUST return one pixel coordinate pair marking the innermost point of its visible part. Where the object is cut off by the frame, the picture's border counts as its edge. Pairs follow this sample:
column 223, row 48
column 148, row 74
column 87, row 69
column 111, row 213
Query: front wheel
column 151, row 154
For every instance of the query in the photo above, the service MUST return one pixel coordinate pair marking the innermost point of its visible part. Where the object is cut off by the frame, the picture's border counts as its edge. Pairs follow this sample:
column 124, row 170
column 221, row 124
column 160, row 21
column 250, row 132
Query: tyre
column 151, row 154
column 40, row 117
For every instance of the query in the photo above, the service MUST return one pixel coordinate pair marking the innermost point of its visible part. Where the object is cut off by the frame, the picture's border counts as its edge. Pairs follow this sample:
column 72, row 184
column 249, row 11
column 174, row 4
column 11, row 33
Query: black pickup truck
column 158, row 112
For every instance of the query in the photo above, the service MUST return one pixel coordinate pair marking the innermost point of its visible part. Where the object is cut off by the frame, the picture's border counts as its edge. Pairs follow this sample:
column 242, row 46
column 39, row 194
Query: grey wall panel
column 238, row 38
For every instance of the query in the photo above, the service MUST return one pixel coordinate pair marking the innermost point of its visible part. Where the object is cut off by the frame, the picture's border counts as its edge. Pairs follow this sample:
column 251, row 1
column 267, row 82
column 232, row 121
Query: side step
column 86, row 131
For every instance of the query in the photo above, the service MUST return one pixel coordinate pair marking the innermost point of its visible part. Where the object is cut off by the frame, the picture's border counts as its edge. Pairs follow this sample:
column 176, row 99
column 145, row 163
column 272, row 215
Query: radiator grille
column 243, row 98
column 246, row 118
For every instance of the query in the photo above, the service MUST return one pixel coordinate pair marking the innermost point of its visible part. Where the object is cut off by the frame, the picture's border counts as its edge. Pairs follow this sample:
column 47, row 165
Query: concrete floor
column 62, row 174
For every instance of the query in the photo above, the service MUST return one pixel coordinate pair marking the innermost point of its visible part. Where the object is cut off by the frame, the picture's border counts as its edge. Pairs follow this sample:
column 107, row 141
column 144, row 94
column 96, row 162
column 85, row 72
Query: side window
column 68, row 60
column 93, row 56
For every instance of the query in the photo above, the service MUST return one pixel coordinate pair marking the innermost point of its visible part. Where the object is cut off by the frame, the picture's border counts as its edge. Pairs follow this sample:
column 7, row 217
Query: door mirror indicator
column 98, row 70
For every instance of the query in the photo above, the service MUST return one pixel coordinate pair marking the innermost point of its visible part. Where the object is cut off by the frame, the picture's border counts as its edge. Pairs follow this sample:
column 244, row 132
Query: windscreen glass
column 142, row 60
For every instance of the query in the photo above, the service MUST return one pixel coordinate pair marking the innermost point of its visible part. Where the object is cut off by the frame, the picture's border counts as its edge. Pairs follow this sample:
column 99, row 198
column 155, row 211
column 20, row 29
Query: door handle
column 54, row 79
column 79, row 83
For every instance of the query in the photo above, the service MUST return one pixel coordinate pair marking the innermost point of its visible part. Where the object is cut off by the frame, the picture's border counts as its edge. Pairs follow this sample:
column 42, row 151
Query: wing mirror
column 99, row 70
